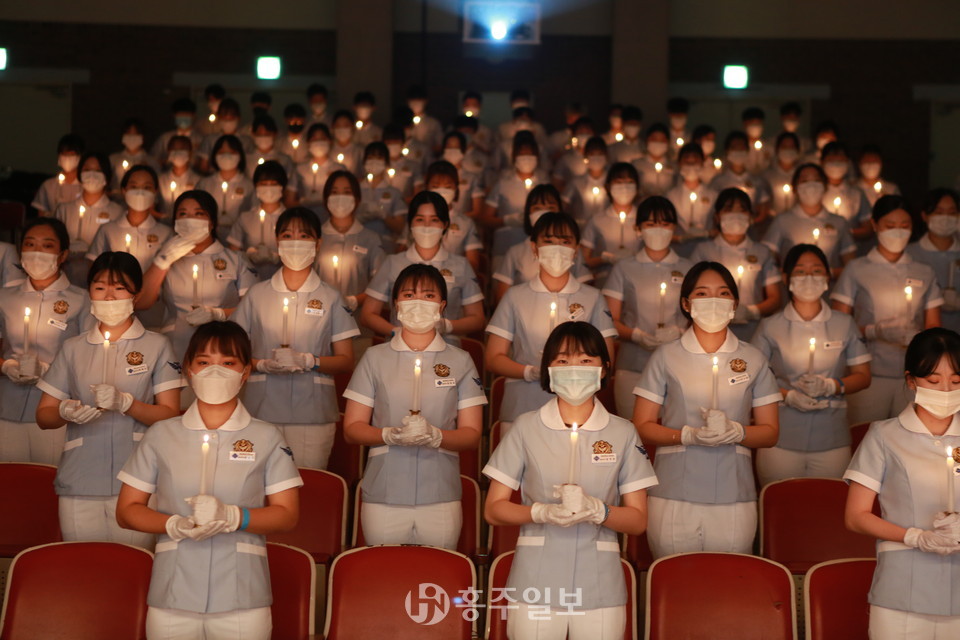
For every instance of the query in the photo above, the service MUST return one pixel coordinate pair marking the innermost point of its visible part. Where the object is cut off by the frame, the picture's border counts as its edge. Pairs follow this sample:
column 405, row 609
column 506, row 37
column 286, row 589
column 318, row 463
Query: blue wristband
column 245, row 520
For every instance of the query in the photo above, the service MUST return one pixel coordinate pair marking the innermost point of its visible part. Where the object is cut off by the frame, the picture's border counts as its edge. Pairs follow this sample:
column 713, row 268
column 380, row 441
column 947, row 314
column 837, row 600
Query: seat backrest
column 470, row 461
column 27, row 491
column 293, row 584
column 322, row 528
column 857, row 433
column 475, row 349
column 346, row 460
column 835, row 598
column 497, row 388
column 80, row 590
column 721, row 596
column 801, row 523
column 607, row 399
column 638, row 552
column 398, row 592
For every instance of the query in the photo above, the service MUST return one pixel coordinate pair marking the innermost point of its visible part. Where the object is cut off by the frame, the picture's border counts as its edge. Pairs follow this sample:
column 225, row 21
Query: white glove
column 608, row 257
column 203, row 315
column 646, row 340
column 208, row 508
column 586, row 507
column 422, row 433
column 109, row 398
column 745, row 313
column 668, row 334
column 816, row 386
column 444, row 326
column 936, row 541
column 212, row 528
column 513, row 219
column 179, row 527
column 262, row 254
column 78, row 247
column 294, row 360
column 556, row 514
column 72, row 411
column 893, row 330
column 951, row 302
column 273, row 367
column 732, row 434
column 172, row 250
column 414, row 427
column 698, row 436
column 531, row 373
column 12, row 369
column 802, row 402
column 714, row 419
column 350, row 302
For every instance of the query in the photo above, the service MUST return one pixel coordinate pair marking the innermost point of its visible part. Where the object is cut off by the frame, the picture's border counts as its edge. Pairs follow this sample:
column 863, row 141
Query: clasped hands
column 717, row 430
column 286, row 360
column 415, row 432
column 575, row 507
column 209, row 517
column 943, row 539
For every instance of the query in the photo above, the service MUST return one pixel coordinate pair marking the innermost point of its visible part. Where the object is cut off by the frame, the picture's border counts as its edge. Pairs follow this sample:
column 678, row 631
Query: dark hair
column 308, row 219
column 553, row 224
column 540, row 193
column 631, row 113
column 595, row 143
column 261, row 97
column 702, row 130
column 934, row 196
column 318, row 126
column 732, row 194
column 693, row 275
column 392, row 131
column 294, row 110
column 71, row 142
column 215, row 91
column 442, row 168
column 466, row 122
column 343, row 113
column 265, row 121
column 832, row 148
column 270, row 170
column 656, row 127
column 926, row 349
column 691, row 149
column 417, row 274
column 316, row 89
column 787, row 135
column 59, row 229
column 352, row 179
column 439, row 206
column 206, row 201
column 140, row 167
column 793, row 257
column 752, row 113
column 472, row 95
column 179, row 138
column 657, row 209
column 794, row 181
column 574, row 335
column 826, row 125
column 678, row 105
column 416, row 92
column 525, row 139
column 732, row 137
column 101, row 159
column 459, row 137
column 871, row 149
column 887, row 204
column 135, row 123
column 376, row 148
column 181, row 105
column 226, row 338
column 790, row 108
column 228, row 105
column 621, row 170
column 364, row 97
column 121, row 267
column 519, row 94
column 232, row 141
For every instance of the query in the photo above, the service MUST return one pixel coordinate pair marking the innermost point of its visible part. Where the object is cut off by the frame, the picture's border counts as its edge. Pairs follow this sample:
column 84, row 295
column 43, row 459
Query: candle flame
column 786, row 188
column 816, row 233
column 339, row 157
column 758, row 145
column 359, row 124
column 468, row 113
column 837, row 202
column 83, row 210
column 596, row 191
column 286, row 303
column 574, row 427
column 416, row 119
column 623, row 217
column 125, row 164
column 949, row 454
column 679, row 142
column 877, row 186
column 224, row 185
column 528, row 183
column 206, row 438
column 717, row 163
column 391, row 172
column 173, row 185
column 693, row 197
column 106, row 338
column 618, row 137
column 658, row 167
column 263, row 215
column 716, row 361
column 813, row 343
column 212, row 117
column 336, row 261
column 127, row 239
column 405, row 151
column 417, row 363
column 196, row 270
column 26, row 312
column 369, row 177
column 61, row 177
column 740, row 271
column 663, row 288
column 295, row 143
column 908, row 290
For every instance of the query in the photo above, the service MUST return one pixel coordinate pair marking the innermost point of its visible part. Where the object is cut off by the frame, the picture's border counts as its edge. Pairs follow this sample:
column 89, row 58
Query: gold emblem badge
column 243, row 445
column 219, row 264
column 446, row 273
column 153, row 238
column 956, row 454
column 738, row 365
column 576, row 308
column 602, row 446
column 454, row 226
column 752, row 259
column 135, row 358
column 676, row 274
column 829, row 227
column 443, row 371
column 61, row 307
column 103, row 215
column 239, row 191
column 314, row 304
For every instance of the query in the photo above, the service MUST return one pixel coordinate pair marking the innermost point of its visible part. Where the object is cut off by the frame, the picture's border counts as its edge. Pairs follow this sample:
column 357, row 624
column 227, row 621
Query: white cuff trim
column 136, row 483
column 495, row 474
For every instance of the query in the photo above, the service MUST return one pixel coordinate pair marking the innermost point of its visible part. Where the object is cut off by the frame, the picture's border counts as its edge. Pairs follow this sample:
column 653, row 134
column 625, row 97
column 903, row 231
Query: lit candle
column 618, row 137
column 212, row 118
column 223, row 187
column 284, row 342
column 573, row 142
column 787, row 189
column 528, row 183
column 468, row 113
column 336, row 270
column 204, row 454
column 816, row 236
column 877, row 187
column 623, row 221
column 83, row 210
column 717, row 163
column 295, row 143
column 405, row 151
column 106, row 359
column 416, row 387
column 61, row 178
column 813, row 348
column 553, row 316
column 196, row 284
column 836, row 204
column 574, row 437
column 951, row 475
column 359, row 124
column 369, row 177
column 740, row 278
column 340, row 158
column 596, row 193
column 416, row 119
column 693, row 201
column 263, row 227
column 391, row 172
column 126, row 242
column 173, row 189
column 663, row 295
column 758, row 145
column 908, row 292
column 314, row 168
column 658, row 167
column 125, row 165
column 26, row 330
column 260, row 160
column 679, row 142
column 716, row 382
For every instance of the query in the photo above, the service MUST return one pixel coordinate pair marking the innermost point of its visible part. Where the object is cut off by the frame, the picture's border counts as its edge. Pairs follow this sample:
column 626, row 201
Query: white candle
column 286, row 312
column 82, row 211
column 717, row 163
column 391, row 172
column 125, row 165
column 295, row 143
column 908, row 292
column 223, row 205
column 786, row 195
column 574, row 437
column 340, row 158
column 196, row 285
column 836, row 204
column 314, row 167
column 877, row 187
column 740, row 278
column 263, row 227
column 212, row 118
column 126, row 242
column 679, row 142
column 173, row 189
column 336, row 270
column 951, row 475
column 623, row 221
column 758, row 145
column 106, row 358
column 663, row 295
column 416, row 387
column 528, row 183
column 416, row 119
column 204, row 454
column 26, row 330
column 369, row 177
column 553, row 316
column 813, row 348
column 596, row 194
column 816, row 236
column 658, row 167
column 359, row 124
column 716, row 382
column 61, row 178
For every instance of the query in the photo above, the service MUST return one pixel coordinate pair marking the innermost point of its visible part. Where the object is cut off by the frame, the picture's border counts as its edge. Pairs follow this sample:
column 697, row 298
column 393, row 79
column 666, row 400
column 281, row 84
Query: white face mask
column 656, row 238
column 139, row 199
column 835, row 170
column 39, row 265
column 711, row 314
column 263, row 143
column 894, row 240
column 525, row 163
column 810, row 193
column 228, row 161
column 374, row 166
column 808, row 288
column 341, row 206
column 737, row 157
column 657, row 148
column 319, row 148
column 112, row 312
column 788, row 155
column 93, row 181
column 942, row 224
column 426, row 237
column 132, row 141
column 179, row 158
column 941, row 404
column 734, row 224
column 269, row 193
column 708, row 146
column 690, row 173
column 453, row 156
column 575, row 385
column 870, row 170
column 596, row 162
column 192, row 228
column 297, row 254
column 623, row 193
column 631, row 131
column 216, row 384
column 447, row 193
column 754, row 131
column 68, row 162
column 342, row 134
column 555, row 259
column 418, row 316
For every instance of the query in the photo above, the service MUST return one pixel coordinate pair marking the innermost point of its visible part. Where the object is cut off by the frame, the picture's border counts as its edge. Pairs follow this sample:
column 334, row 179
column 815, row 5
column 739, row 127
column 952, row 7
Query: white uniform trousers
column 676, row 526
column 434, row 525
column 774, row 464
column 891, row 624
column 26, row 442
column 624, row 382
column 239, row 624
column 528, row 622
column 884, row 398
column 311, row 443
column 94, row 519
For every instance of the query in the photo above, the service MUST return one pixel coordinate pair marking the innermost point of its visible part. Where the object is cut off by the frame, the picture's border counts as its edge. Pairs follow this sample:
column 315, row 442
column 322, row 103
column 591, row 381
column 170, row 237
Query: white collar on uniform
column 689, row 342
column 310, row 284
column 60, row 284
column 413, row 256
column 790, row 313
column 798, row 211
column 927, row 245
column 874, row 256
column 437, row 344
column 238, row 420
column 911, row 422
column 644, row 258
column 572, row 286
column 550, row 415
column 135, row 331
column 329, row 229
column 146, row 225
column 215, row 247
column 745, row 244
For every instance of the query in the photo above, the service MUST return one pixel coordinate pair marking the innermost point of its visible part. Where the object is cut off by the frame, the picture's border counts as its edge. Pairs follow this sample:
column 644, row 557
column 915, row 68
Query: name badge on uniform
column 753, row 266
column 603, row 453
column 59, row 324
column 739, row 379
column 137, row 370
column 913, row 282
column 576, row 310
column 225, row 276
column 439, row 383
column 832, row 345
column 243, row 451
column 361, row 250
column 314, row 308
column 676, row 277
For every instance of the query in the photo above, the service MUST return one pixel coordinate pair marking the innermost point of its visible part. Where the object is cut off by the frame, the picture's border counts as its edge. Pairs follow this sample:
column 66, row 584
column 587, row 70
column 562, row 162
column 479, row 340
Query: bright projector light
column 268, row 67
column 736, row 76
column 498, row 30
